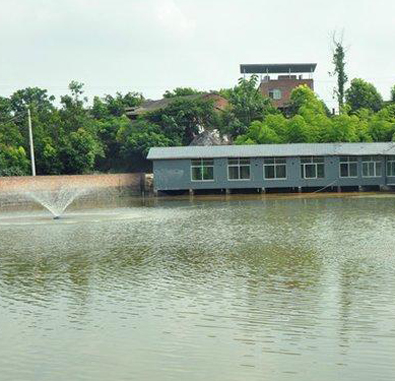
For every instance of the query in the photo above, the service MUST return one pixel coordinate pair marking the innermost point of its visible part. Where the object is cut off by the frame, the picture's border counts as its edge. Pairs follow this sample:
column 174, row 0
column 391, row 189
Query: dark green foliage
column 393, row 94
column 363, row 95
column 181, row 92
column 136, row 139
column 246, row 104
column 181, row 120
column 73, row 137
column 110, row 106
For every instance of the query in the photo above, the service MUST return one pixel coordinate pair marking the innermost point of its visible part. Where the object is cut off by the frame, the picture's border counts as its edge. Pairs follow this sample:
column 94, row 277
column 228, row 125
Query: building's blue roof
column 272, row 150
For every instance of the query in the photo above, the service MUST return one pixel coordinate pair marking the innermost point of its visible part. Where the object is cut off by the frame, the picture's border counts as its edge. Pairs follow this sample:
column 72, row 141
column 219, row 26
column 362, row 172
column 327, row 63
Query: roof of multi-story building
column 277, row 68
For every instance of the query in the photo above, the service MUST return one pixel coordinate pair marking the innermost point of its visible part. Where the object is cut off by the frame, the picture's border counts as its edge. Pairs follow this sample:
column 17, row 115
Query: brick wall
column 286, row 85
column 129, row 182
column 14, row 191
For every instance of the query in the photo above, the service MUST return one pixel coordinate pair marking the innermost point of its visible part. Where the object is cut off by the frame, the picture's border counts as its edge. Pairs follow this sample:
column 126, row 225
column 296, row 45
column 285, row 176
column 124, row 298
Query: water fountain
column 56, row 200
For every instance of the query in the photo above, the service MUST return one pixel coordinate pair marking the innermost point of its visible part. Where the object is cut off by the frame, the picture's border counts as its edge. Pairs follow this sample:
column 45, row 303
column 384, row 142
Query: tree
column 111, row 106
column 343, row 128
column 362, row 94
column 247, row 104
column 184, row 118
column 338, row 60
column 303, row 98
column 181, row 92
column 13, row 161
column 136, row 139
column 258, row 133
column 107, row 131
column 33, row 97
column 80, row 152
column 298, row 130
column 393, row 94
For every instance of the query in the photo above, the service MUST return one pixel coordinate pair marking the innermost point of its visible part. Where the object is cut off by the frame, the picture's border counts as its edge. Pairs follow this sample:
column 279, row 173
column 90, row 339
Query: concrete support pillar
column 300, row 189
column 227, row 191
column 339, row 189
column 191, row 192
column 360, row 188
column 263, row 190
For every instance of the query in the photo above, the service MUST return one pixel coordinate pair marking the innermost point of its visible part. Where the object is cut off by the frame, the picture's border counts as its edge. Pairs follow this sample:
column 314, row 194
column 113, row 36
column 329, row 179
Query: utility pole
column 32, row 160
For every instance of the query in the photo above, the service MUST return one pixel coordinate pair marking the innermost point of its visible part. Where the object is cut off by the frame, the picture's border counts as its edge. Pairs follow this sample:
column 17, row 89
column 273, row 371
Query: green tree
column 31, row 97
column 80, row 152
column 342, row 128
column 183, row 119
column 110, row 106
column 136, row 139
column 338, row 61
column 79, row 141
column 393, row 94
column 107, row 131
column 13, row 161
column 258, row 133
column 247, row 104
column 362, row 94
column 298, row 130
column 181, row 92
column 303, row 98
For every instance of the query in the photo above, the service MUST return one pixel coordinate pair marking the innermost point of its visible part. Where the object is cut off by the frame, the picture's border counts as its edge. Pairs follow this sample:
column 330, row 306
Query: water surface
column 248, row 288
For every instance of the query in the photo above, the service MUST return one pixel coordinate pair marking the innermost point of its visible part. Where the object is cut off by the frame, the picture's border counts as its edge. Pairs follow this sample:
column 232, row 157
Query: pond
column 203, row 288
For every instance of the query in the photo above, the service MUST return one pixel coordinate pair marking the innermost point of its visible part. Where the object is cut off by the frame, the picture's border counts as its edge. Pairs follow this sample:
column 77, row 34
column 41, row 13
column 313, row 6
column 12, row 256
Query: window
column 312, row 167
column 348, row 166
column 202, row 170
column 275, row 168
column 239, row 169
column 371, row 166
column 391, row 166
column 275, row 94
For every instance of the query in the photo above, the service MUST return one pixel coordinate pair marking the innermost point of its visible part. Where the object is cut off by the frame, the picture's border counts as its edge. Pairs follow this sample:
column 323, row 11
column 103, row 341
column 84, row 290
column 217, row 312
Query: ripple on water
column 257, row 289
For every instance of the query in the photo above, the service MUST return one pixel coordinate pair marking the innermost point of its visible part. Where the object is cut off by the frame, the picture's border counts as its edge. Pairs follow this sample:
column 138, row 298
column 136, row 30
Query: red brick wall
column 286, row 85
column 128, row 181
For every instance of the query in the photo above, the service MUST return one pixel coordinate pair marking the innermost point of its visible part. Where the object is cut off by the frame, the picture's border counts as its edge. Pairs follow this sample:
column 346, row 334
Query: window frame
column 314, row 163
column 202, row 166
column 348, row 162
column 390, row 161
column 375, row 160
column 238, row 165
column 274, row 165
column 275, row 91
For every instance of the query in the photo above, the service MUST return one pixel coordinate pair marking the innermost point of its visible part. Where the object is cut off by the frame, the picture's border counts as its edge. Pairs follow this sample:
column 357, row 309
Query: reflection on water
column 221, row 289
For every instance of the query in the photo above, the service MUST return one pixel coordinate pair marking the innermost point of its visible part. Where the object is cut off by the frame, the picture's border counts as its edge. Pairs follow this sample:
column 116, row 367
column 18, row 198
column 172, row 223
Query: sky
column 151, row 46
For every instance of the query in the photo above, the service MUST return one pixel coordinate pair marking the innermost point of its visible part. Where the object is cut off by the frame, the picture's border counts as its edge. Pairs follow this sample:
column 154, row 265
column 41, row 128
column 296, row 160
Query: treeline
column 365, row 117
column 73, row 136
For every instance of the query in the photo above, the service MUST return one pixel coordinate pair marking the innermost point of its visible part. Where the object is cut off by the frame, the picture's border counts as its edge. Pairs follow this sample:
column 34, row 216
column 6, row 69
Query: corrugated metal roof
column 272, row 150
column 154, row 105
column 278, row 68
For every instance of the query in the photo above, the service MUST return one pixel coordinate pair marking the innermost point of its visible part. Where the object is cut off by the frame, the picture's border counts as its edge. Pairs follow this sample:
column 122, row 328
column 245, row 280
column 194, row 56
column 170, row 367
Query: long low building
column 268, row 166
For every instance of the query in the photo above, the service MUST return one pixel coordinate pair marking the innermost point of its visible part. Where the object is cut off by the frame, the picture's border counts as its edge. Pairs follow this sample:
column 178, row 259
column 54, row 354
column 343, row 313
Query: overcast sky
column 154, row 45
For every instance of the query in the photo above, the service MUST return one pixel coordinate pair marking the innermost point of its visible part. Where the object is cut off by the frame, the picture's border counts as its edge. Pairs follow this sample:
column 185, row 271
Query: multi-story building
column 278, row 80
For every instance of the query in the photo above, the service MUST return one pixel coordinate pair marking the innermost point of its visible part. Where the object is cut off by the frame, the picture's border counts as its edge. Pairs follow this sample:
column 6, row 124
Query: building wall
column 286, row 85
column 176, row 175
